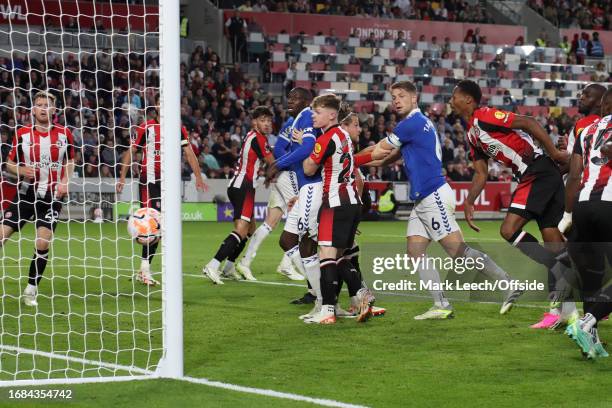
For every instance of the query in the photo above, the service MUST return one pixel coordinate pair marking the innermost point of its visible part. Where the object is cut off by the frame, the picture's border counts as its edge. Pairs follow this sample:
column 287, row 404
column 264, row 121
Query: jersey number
column 345, row 161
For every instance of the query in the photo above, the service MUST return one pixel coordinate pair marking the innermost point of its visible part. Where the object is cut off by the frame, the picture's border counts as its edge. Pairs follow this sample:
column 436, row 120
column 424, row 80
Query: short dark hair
column 261, row 111
column 303, row 93
column 470, row 88
column 405, row 85
column 329, row 101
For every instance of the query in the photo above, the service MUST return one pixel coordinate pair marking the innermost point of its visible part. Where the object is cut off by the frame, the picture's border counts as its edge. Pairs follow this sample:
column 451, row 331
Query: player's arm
column 374, row 154
column 195, row 167
column 572, row 186
column 324, row 148
column 606, row 150
column 126, row 162
column 13, row 160
column 481, row 172
column 531, row 126
column 281, row 147
column 62, row 187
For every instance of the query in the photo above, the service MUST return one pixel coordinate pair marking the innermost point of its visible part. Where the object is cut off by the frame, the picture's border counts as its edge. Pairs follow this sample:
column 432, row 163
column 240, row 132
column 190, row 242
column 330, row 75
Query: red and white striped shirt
column 46, row 152
column 334, row 151
column 596, row 184
column 148, row 139
column 490, row 135
column 580, row 125
column 254, row 150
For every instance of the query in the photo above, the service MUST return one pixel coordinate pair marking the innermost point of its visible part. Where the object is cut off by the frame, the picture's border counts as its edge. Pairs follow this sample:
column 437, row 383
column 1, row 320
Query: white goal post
column 94, row 322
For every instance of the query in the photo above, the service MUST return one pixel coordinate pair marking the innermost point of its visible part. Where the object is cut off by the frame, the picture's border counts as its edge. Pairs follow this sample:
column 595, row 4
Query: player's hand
column 120, row 184
column 291, row 203
column 62, row 190
column 562, row 143
column 561, row 157
column 468, row 210
column 565, row 223
column 296, row 135
column 201, row 185
column 271, row 172
column 27, row 172
column 379, row 153
column 606, row 150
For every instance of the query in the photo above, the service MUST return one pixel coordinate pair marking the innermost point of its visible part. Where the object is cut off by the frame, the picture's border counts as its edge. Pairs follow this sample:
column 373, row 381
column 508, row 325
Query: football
column 144, row 225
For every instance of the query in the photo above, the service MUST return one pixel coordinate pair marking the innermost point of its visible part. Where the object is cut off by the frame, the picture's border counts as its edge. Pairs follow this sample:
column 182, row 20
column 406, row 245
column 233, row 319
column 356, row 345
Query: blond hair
column 328, row 101
column 44, row 95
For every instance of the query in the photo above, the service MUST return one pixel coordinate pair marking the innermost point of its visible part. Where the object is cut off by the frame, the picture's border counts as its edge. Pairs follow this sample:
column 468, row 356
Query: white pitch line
column 271, row 393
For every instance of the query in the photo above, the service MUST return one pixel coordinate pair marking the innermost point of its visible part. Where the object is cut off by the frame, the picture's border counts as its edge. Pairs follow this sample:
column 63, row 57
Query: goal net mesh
column 101, row 61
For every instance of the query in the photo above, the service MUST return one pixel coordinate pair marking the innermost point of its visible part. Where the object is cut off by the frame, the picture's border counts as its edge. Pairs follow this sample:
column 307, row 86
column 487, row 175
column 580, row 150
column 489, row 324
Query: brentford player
column 589, row 105
column 589, row 194
column 507, row 139
column 340, row 208
column 254, row 153
column 149, row 143
column 283, row 193
column 43, row 158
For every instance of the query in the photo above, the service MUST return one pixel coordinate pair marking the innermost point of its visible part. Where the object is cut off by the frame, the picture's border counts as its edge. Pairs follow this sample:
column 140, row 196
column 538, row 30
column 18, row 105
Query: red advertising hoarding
column 491, row 198
column 114, row 16
column 274, row 23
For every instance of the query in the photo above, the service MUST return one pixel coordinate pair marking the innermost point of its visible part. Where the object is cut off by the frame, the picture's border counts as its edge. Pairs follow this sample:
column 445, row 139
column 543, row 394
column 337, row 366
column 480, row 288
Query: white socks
column 214, row 264
column 258, row 237
column 313, row 274
column 430, row 274
column 228, row 266
column 491, row 270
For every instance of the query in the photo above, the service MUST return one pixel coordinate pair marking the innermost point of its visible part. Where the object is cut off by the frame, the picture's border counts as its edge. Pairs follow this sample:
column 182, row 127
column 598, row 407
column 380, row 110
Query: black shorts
column 540, row 195
column 28, row 207
column 243, row 201
column 150, row 195
column 338, row 225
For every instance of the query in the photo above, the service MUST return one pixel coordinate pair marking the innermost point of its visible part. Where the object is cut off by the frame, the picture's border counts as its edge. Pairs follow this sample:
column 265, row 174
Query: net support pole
column 171, row 365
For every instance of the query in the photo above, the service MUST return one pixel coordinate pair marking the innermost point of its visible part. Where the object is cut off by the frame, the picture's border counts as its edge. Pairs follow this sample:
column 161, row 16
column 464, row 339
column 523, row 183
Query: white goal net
column 93, row 320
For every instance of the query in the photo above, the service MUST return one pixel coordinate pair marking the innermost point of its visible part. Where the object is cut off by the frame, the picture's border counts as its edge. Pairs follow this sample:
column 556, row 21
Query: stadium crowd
column 103, row 98
column 450, row 10
column 585, row 14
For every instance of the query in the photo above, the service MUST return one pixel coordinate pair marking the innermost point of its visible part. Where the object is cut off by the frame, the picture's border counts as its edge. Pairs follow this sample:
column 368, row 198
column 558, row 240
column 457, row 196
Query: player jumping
column 42, row 157
column 149, row 142
column 433, row 215
column 241, row 192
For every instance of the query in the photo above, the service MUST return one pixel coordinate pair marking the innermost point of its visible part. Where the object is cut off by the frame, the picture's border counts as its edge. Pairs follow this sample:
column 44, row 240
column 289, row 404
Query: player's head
column 404, row 97
column 589, row 100
column 298, row 99
column 262, row 119
column 325, row 109
column 349, row 121
column 43, row 107
column 466, row 97
column 606, row 103
column 152, row 113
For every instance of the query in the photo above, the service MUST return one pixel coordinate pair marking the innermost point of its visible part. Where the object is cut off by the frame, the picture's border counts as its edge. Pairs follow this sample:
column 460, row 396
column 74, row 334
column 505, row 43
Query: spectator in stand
column 235, row 31
column 372, row 174
column 595, row 48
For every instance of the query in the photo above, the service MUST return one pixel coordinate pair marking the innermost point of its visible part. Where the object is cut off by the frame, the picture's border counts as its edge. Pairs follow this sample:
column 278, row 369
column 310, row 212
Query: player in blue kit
column 433, row 215
column 299, row 238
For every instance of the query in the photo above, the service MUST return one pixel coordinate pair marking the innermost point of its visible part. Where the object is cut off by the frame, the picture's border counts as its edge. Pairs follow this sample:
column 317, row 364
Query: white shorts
column 283, row 190
column 433, row 217
column 303, row 217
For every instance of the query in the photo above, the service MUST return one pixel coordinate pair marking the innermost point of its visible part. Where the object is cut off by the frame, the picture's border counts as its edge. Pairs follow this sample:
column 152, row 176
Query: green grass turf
column 248, row 334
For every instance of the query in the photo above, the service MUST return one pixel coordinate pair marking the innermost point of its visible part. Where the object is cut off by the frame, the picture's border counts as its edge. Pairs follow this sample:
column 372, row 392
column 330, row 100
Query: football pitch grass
column 248, row 334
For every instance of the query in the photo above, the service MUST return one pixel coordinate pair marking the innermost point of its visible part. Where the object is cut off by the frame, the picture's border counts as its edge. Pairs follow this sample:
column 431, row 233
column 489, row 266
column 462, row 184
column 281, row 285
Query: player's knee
column 42, row 243
column 308, row 247
column 508, row 231
column 287, row 241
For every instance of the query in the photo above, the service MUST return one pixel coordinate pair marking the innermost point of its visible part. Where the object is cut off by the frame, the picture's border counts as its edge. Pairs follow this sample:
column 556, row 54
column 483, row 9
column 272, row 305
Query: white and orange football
column 144, row 225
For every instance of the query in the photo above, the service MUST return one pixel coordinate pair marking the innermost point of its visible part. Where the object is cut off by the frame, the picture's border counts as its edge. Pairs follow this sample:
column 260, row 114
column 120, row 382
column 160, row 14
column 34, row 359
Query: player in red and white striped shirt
column 254, row 153
column 43, row 158
column 148, row 140
column 340, row 208
column 508, row 139
column 589, row 195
